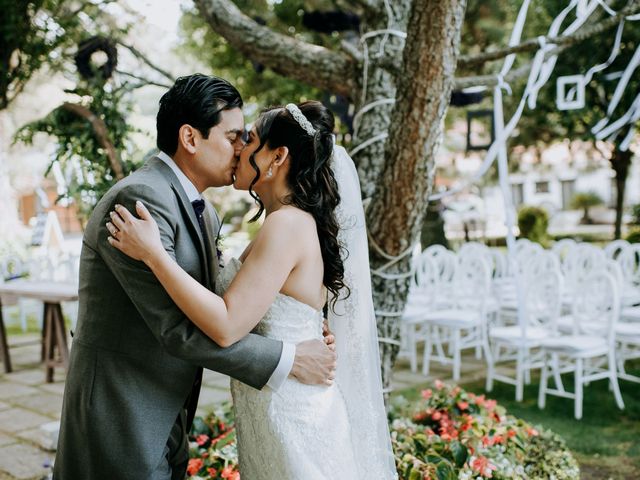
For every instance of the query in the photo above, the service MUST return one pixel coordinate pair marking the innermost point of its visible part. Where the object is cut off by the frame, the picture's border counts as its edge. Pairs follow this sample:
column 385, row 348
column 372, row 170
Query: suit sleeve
column 252, row 360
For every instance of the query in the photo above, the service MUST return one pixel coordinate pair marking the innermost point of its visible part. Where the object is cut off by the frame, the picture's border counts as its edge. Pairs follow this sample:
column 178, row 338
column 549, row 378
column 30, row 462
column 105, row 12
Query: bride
column 311, row 251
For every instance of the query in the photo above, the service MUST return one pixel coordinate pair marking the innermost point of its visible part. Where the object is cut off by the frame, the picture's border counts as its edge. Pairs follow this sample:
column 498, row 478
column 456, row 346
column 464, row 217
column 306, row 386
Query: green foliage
column 78, row 149
column 260, row 86
column 533, row 223
column 634, row 235
column 42, row 32
column 453, row 433
column 635, row 212
column 584, row 201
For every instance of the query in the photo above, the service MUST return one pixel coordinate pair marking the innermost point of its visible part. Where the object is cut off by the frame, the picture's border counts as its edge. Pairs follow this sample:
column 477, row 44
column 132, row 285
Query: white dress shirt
column 285, row 364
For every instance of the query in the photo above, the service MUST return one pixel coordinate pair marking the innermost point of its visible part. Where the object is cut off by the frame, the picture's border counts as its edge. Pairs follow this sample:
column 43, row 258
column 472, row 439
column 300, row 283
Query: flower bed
column 454, row 434
column 448, row 434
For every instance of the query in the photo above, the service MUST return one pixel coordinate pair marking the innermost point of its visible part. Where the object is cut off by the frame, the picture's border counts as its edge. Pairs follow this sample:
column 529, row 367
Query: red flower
column 202, row 439
column 511, row 433
column 212, row 471
column 194, row 466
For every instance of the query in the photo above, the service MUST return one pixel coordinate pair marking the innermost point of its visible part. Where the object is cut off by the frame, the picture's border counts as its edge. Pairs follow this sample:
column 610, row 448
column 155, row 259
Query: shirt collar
column 187, row 185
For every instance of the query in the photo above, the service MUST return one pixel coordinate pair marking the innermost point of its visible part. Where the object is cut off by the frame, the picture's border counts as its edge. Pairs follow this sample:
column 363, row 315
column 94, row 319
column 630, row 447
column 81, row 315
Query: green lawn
column 606, row 442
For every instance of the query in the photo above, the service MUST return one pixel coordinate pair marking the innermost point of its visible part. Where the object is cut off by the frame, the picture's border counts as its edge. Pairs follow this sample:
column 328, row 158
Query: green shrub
column 634, row 235
column 584, row 201
column 533, row 223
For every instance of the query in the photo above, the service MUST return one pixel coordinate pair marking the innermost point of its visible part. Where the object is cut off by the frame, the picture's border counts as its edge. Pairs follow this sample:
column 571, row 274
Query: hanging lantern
column 570, row 92
column 477, row 121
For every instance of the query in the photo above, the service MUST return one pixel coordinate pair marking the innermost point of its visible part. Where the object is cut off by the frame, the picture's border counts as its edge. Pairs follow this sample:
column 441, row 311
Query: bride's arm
column 224, row 319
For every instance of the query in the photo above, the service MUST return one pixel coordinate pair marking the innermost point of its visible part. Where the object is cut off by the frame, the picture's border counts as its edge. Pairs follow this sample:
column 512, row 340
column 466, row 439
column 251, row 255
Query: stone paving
column 29, row 407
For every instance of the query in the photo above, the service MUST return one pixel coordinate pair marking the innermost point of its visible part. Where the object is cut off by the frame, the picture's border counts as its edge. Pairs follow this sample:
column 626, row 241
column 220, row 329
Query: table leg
column 4, row 346
column 55, row 338
column 49, row 341
column 61, row 335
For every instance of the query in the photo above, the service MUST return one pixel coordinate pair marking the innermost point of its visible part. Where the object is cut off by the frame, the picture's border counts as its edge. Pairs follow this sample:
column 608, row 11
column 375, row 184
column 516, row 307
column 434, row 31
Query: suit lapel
column 188, row 214
column 212, row 226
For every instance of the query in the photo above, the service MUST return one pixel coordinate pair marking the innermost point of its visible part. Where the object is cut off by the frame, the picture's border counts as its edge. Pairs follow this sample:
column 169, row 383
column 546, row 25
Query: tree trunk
column 376, row 85
column 620, row 162
column 397, row 210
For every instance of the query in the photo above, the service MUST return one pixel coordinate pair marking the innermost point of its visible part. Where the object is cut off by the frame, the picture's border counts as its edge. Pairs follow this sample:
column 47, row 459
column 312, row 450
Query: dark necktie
column 198, row 207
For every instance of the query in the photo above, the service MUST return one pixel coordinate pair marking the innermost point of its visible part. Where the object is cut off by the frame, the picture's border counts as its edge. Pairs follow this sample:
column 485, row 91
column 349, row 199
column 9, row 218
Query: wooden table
column 54, row 334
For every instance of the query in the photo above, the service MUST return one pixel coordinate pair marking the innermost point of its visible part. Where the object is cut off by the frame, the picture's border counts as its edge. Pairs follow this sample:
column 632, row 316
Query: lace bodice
column 287, row 319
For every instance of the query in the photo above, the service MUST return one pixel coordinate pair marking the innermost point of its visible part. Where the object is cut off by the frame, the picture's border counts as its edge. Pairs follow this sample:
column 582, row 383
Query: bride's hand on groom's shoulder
column 139, row 238
column 314, row 363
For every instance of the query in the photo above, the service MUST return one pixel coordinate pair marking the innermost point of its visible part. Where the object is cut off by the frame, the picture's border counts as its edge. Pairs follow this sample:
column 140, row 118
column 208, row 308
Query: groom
column 136, row 363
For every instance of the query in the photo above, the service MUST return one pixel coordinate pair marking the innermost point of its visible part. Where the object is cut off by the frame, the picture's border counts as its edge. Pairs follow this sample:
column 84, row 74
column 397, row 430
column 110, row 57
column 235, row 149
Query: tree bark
column 312, row 64
column 396, row 212
column 620, row 162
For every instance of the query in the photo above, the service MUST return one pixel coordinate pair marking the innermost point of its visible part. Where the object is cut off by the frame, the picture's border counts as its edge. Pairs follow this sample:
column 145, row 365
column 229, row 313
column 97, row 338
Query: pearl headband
column 299, row 117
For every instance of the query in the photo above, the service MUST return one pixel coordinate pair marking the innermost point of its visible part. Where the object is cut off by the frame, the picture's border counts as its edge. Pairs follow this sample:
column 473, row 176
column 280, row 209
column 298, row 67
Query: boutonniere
column 219, row 245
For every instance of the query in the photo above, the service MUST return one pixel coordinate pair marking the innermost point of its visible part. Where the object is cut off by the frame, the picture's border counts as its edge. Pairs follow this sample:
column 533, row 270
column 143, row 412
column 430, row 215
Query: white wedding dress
column 300, row 432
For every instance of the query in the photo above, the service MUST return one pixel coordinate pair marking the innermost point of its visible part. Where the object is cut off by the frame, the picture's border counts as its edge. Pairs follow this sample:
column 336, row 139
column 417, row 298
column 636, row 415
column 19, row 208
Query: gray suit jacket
column 136, row 359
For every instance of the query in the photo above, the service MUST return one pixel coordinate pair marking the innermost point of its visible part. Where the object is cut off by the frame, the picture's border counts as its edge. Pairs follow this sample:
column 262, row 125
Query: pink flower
column 202, row 439
column 482, row 466
column 439, row 384
column 427, row 394
column 490, row 404
column 462, row 405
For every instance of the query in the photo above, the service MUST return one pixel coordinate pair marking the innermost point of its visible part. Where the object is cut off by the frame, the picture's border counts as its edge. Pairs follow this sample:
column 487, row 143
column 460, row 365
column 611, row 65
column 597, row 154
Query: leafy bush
column 584, row 201
column 454, row 434
column 213, row 453
column 533, row 223
column 634, row 235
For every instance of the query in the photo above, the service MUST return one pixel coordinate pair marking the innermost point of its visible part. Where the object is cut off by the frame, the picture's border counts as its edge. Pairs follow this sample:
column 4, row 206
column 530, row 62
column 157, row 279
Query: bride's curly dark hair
column 313, row 186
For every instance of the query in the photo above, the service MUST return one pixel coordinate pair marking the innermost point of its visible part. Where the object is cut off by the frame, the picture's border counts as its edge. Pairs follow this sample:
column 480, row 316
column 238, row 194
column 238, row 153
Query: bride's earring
column 269, row 173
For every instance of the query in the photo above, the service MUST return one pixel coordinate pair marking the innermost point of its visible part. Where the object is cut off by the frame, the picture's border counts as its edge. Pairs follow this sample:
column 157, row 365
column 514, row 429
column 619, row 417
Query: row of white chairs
column 572, row 298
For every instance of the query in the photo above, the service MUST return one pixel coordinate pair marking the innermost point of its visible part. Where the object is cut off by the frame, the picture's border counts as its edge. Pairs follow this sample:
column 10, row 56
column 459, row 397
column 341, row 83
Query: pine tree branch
column 306, row 62
column 532, row 44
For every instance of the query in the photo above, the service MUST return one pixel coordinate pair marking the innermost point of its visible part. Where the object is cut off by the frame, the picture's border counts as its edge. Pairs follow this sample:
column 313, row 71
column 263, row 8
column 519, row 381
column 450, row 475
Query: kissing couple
column 156, row 307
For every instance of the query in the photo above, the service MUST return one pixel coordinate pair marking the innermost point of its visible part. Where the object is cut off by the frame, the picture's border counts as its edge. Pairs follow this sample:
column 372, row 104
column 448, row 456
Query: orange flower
column 511, row 433
column 532, row 432
column 230, row 474
column 194, row 465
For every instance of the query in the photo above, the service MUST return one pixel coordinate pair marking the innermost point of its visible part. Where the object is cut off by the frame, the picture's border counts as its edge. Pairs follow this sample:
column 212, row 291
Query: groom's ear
column 281, row 155
column 187, row 137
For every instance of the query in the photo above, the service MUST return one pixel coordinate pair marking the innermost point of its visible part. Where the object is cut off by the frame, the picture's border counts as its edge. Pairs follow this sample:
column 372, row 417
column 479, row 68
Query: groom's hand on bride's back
column 314, row 363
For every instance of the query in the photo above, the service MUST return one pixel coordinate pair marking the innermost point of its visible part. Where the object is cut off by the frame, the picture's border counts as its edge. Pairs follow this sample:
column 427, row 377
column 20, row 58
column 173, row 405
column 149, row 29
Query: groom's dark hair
column 196, row 100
